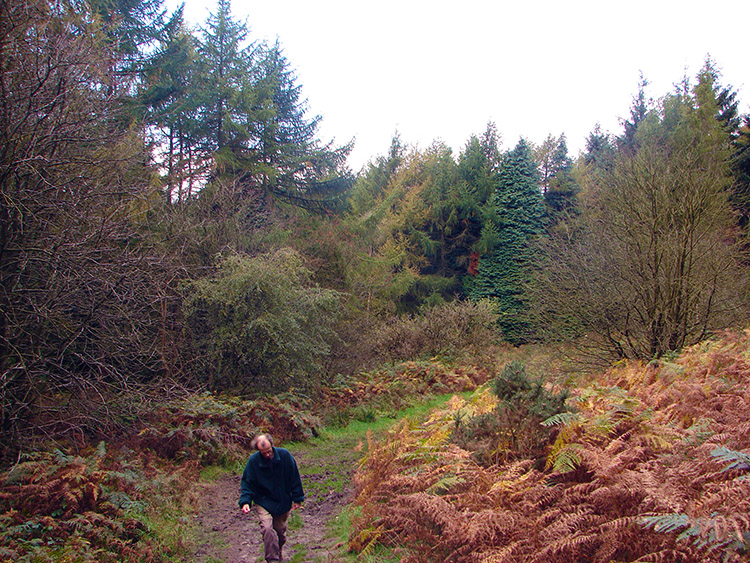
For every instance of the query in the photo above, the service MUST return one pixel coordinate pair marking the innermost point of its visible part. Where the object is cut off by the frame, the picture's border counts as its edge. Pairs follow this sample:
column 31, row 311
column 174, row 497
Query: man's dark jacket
column 273, row 484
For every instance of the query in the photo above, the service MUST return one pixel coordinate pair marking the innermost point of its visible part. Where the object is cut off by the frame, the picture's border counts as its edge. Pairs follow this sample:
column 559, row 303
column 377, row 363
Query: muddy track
column 229, row 536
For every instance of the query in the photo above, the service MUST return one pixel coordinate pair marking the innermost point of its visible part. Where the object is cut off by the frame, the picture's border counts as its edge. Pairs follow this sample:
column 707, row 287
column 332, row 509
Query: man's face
column 265, row 449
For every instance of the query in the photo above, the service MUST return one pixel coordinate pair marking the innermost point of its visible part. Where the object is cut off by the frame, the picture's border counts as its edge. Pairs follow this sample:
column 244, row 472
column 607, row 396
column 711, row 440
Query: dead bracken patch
column 652, row 464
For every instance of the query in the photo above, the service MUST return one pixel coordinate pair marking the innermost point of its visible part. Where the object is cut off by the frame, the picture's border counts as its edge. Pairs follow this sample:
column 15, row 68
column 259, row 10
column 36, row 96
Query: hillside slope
column 652, row 464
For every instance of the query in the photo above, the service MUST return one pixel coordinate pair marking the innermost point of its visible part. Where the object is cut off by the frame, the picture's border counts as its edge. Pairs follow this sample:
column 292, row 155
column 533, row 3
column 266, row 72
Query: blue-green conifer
column 515, row 214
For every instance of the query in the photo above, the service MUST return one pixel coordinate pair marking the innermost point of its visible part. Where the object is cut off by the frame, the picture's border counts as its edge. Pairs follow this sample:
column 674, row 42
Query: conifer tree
column 225, row 87
column 543, row 155
column 286, row 157
column 170, row 94
column 738, row 129
column 560, row 197
column 227, row 114
column 478, row 165
column 449, row 207
column 638, row 110
column 374, row 180
column 478, row 169
column 131, row 27
column 515, row 216
column 741, row 166
column 599, row 152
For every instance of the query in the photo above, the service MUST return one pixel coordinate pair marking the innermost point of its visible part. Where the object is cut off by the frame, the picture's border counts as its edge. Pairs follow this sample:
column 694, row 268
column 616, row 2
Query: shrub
column 515, row 428
column 212, row 428
column 259, row 325
column 663, row 454
column 89, row 507
column 393, row 388
column 450, row 329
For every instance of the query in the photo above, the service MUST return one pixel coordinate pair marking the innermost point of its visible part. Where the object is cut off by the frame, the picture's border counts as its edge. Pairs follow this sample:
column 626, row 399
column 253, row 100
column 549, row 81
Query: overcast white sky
column 432, row 69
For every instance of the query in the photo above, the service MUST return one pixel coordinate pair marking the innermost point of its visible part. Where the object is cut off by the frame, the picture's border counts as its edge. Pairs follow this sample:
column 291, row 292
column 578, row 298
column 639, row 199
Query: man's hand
column 296, row 505
column 245, row 508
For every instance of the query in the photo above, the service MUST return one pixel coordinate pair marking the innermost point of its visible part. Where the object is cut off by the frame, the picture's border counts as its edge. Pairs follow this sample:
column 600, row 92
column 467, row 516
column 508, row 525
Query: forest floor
column 226, row 535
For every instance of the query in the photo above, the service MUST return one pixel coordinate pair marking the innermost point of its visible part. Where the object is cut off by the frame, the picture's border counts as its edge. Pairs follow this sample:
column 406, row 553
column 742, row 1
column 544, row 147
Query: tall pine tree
column 514, row 217
column 286, row 158
column 170, row 94
column 561, row 194
column 225, row 88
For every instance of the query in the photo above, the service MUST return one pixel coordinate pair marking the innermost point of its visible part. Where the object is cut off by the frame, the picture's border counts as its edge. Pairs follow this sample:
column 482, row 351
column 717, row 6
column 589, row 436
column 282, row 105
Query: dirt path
column 229, row 536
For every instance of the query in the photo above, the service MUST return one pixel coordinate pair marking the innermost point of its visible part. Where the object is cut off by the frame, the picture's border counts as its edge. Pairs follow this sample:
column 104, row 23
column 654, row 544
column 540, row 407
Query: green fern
column 444, row 485
column 712, row 533
column 735, row 460
column 561, row 419
column 666, row 523
column 567, row 459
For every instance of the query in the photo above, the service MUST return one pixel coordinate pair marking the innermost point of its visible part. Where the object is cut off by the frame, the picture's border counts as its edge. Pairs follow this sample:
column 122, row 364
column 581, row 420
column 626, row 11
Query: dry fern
column 652, row 467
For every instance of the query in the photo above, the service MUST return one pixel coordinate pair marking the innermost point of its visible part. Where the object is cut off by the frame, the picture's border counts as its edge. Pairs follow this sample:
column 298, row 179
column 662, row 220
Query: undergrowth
column 128, row 500
column 650, row 462
column 651, row 465
column 392, row 388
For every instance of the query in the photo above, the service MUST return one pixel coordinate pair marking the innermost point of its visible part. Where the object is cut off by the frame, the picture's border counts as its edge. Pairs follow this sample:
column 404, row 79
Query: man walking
column 272, row 483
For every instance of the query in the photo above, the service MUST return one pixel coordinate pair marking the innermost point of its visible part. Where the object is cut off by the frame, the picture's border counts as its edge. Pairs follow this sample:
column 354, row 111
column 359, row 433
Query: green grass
column 300, row 553
column 213, row 472
column 339, row 528
column 357, row 429
column 295, row 521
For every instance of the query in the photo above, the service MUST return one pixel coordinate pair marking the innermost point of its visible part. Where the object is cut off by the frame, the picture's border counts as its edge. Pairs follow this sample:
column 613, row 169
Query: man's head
column 264, row 444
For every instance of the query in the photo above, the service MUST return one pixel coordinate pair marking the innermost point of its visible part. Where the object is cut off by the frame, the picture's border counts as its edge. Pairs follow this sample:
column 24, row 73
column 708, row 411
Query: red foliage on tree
column 473, row 264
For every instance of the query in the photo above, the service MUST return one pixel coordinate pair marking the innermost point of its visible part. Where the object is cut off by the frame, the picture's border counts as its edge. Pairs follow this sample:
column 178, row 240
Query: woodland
column 184, row 262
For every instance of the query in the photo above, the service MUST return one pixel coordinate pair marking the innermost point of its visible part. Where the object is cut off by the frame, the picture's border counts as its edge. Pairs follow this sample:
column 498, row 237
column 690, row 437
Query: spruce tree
column 627, row 142
column 741, row 167
column 131, row 28
column 478, row 167
column 228, row 115
column 169, row 93
column 599, row 152
column 560, row 196
column 286, row 158
column 225, row 86
column 515, row 216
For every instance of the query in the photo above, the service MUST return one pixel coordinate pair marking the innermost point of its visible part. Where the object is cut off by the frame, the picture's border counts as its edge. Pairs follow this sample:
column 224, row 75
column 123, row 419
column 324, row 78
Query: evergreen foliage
column 741, row 165
column 167, row 91
column 515, row 428
column 560, row 197
column 558, row 184
column 415, row 220
column 224, row 95
column 285, row 155
column 224, row 108
column 514, row 217
column 131, row 28
column 258, row 326
column 628, row 141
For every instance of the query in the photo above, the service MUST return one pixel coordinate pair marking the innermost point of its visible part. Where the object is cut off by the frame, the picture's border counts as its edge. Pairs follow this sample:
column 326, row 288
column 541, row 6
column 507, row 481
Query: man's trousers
column 273, row 529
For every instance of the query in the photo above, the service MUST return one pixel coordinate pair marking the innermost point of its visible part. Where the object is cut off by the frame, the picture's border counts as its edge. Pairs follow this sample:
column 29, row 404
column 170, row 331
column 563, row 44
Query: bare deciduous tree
column 652, row 264
column 83, row 300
